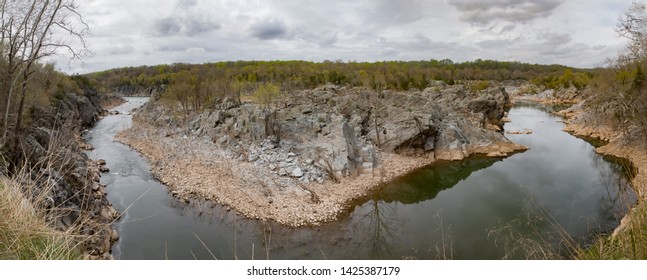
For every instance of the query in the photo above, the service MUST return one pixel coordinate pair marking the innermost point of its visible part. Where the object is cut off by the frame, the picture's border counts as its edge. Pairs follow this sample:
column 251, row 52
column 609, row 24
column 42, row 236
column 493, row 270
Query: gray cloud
column 598, row 47
column 507, row 28
column 487, row 11
column 167, row 26
column 400, row 12
column 494, row 44
column 187, row 3
column 268, row 29
column 576, row 33
column 120, row 50
column 171, row 26
column 554, row 39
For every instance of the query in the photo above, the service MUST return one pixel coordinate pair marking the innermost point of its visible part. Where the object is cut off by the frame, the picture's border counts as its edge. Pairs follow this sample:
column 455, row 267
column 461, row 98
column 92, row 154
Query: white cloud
column 131, row 32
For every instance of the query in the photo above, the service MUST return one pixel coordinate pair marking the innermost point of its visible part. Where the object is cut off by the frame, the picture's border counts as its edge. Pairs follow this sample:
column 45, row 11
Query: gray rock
column 350, row 127
column 297, row 172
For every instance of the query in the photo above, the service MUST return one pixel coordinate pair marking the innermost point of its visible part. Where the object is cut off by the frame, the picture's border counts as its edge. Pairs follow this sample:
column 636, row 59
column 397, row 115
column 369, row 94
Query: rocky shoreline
column 585, row 122
column 619, row 143
column 328, row 154
column 74, row 200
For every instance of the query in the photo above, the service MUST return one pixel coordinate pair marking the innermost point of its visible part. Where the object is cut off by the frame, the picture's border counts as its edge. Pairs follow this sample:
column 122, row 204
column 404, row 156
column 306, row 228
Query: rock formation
column 336, row 132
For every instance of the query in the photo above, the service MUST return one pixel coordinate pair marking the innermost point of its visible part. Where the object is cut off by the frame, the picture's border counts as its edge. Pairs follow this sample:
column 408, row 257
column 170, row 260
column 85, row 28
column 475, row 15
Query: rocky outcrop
column 306, row 154
column 67, row 179
column 340, row 132
column 138, row 91
column 568, row 95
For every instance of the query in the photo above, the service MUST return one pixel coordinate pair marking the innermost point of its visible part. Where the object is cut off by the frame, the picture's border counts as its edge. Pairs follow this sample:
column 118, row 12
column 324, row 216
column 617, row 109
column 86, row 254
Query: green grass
column 24, row 232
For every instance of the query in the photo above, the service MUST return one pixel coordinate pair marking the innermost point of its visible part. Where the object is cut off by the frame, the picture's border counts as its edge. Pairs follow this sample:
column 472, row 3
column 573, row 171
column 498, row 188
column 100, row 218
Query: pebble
column 114, row 236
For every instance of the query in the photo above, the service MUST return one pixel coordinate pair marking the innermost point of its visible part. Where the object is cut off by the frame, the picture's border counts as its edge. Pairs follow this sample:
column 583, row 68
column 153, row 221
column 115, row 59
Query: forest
column 198, row 86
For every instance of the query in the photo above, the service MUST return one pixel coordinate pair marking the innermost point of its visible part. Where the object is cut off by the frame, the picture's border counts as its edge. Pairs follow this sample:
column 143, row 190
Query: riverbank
column 626, row 143
column 192, row 170
column 64, row 211
column 620, row 144
column 629, row 239
column 305, row 162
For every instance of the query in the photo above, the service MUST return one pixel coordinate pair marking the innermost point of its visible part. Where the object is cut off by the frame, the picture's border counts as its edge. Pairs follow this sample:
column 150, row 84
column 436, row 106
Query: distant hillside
column 393, row 75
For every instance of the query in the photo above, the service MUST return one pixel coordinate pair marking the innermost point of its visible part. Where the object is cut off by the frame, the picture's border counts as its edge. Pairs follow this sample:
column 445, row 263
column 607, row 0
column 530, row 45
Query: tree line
column 195, row 87
column 393, row 75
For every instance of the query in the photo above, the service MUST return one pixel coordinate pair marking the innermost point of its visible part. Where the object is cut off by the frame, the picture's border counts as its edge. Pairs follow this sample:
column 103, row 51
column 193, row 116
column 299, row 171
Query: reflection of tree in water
column 426, row 183
column 380, row 224
column 374, row 230
column 615, row 174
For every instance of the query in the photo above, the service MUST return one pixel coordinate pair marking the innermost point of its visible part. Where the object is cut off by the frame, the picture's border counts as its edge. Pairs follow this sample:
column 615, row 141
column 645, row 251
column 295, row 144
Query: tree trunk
column 8, row 88
column 17, row 128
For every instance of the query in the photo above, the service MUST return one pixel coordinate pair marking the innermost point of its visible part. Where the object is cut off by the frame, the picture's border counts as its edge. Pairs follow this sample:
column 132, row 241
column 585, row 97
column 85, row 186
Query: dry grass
column 24, row 231
column 32, row 224
column 534, row 235
column 631, row 243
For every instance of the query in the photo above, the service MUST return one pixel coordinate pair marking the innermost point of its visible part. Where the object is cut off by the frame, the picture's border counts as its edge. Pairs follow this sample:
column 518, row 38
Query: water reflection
column 425, row 183
column 558, row 193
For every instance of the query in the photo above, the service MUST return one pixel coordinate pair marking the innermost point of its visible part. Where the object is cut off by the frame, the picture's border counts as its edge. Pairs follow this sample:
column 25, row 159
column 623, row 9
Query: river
column 478, row 208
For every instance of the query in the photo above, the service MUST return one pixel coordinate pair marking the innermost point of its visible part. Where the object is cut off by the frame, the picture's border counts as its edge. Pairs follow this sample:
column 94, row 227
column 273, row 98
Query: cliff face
column 340, row 132
column 53, row 161
column 302, row 158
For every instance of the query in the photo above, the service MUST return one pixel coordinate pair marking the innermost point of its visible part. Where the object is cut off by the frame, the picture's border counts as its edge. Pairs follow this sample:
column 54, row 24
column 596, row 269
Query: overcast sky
column 136, row 32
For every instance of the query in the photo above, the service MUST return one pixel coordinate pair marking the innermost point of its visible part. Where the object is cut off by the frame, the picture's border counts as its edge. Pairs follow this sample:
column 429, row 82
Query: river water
column 479, row 208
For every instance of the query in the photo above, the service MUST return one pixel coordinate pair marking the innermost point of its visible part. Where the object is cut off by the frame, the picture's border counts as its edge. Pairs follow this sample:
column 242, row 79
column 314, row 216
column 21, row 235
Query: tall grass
column 28, row 212
column 24, row 231
column 535, row 234
column 628, row 243
column 630, row 240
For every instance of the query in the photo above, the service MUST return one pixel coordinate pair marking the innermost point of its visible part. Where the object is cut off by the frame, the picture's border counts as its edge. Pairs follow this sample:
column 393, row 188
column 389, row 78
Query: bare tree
column 632, row 64
column 31, row 31
column 633, row 26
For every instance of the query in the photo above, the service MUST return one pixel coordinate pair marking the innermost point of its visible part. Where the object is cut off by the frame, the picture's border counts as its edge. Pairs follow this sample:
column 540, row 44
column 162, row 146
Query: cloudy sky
column 137, row 32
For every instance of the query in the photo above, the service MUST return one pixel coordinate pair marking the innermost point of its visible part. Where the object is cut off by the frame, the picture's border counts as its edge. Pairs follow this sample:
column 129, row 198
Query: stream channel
column 478, row 208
